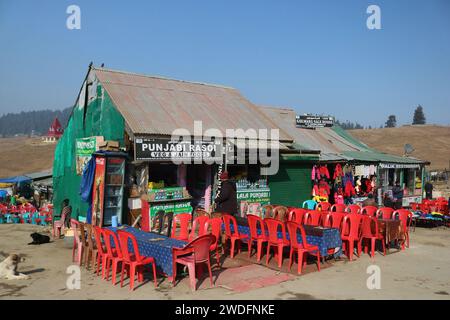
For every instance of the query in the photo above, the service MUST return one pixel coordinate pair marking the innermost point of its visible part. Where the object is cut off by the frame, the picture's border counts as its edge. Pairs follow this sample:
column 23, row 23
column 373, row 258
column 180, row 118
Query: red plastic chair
column 134, row 261
column 370, row 231
column 195, row 252
column 198, row 227
column 233, row 236
column 324, row 206
column 101, row 249
column 312, row 218
column 350, row 233
column 113, row 254
column 336, row 220
column 353, row 209
column 327, row 220
column 338, row 208
column 385, row 213
column 274, row 240
column 214, row 226
column 370, row 211
column 77, row 243
column 414, row 206
column 405, row 216
column 253, row 222
column 300, row 248
column 297, row 215
column 182, row 219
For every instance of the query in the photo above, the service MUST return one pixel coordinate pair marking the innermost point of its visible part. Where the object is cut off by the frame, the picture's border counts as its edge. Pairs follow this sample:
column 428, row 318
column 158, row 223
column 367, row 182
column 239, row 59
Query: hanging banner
column 159, row 149
column 309, row 121
column 84, row 148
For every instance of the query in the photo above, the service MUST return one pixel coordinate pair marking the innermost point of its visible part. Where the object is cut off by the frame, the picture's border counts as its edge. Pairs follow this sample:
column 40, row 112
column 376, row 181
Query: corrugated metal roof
column 158, row 106
column 335, row 144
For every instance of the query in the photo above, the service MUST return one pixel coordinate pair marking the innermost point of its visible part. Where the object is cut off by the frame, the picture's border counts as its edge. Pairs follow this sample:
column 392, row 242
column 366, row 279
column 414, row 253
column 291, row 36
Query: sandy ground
column 430, row 142
column 23, row 155
column 420, row 272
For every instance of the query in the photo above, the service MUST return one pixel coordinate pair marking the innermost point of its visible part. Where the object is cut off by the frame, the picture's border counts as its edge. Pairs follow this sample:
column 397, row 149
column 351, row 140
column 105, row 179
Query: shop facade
column 165, row 170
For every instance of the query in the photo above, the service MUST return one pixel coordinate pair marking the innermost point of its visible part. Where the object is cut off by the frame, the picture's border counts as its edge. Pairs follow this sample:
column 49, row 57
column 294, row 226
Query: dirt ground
column 430, row 142
column 23, row 155
column 420, row 272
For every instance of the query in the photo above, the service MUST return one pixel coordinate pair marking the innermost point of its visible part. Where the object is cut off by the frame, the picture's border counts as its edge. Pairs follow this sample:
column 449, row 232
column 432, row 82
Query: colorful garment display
column 338, row 172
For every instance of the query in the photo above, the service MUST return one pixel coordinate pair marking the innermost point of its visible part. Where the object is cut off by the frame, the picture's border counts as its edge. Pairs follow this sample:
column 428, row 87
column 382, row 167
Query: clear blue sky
column 314, row 56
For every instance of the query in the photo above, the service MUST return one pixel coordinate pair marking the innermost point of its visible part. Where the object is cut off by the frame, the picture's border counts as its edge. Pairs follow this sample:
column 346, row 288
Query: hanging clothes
column 315, row 173
column 349, row 189
column 339, row 196
column 338, row 172
column 324, row 188
column 324, row 173
column 348, row 177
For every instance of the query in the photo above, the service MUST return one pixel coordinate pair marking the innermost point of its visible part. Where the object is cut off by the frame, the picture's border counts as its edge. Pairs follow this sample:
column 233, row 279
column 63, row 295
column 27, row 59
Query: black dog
column 39, row 238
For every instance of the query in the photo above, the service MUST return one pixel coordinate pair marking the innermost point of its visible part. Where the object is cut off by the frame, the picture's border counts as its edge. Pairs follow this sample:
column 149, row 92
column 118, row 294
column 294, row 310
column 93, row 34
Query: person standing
column 226, row 201
column 397, row 193
column 428, row 190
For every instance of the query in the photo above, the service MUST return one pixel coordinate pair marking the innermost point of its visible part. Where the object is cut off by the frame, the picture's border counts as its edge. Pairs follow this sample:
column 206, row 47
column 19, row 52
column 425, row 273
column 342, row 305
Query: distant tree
column 29, row 122
column 419, row 116
column 391, row 122
column 347, row 125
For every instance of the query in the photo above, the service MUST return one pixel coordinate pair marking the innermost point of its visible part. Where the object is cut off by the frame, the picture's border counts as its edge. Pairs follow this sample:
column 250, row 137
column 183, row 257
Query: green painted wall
column 100, row 119
column 292, row 184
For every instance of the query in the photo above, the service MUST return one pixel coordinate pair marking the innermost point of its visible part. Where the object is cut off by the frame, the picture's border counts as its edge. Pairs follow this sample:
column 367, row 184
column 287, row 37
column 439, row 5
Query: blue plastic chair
column 309, row 204
column 26, row 217
column 8, row 218
column 34, row 216
column 15, row 219
column 2, row 219
column 43, row 222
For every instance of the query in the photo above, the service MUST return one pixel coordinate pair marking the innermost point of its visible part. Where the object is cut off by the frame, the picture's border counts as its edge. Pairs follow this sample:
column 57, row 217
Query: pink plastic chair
column 194, row 253
column 253, row 222
column 182, row 219
column 233, row 236
column 370, row 211
column 58, row 226
column 133, row 260
column 77, row 243
column 300, row 248
column 273, row 225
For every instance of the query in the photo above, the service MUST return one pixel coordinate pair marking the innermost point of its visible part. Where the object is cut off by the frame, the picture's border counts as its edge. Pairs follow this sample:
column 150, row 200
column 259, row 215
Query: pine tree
column 419, row 116
column 391, row 122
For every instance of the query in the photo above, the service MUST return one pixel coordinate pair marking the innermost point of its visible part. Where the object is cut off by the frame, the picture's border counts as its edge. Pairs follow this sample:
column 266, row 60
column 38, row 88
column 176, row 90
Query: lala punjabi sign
column 309, row 121
column 164, row 149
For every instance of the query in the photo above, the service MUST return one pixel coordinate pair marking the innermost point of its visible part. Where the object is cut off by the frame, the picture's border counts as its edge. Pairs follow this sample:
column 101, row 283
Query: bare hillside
column 24, row 155
column 430, row 142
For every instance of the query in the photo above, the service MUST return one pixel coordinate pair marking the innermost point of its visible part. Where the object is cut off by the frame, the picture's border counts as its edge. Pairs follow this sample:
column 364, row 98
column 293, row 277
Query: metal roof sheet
column 335, row 144
column 158, row 106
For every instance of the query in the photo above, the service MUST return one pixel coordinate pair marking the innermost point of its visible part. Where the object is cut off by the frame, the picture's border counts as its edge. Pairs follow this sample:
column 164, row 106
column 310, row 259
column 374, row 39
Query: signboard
column 157, row 149
column 246, row 197
column 84, row 148
column 399, row 166
column 308, row 121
